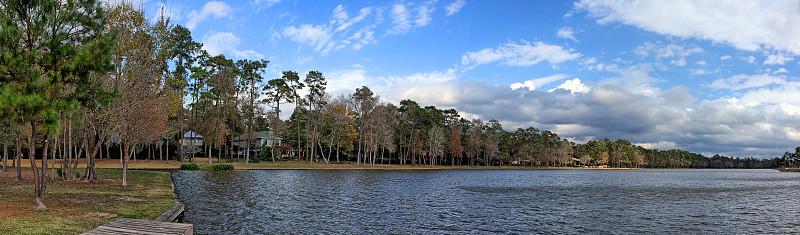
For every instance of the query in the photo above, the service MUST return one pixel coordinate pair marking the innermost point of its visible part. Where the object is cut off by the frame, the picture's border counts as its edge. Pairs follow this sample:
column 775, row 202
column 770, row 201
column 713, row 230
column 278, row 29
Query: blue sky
column 705, row 76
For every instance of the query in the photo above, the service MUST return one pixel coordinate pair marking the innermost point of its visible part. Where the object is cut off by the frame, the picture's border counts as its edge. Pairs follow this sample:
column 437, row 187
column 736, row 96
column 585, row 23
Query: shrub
column 222, row 167
column 190, row 167
column 195, row 167
column 254, row 160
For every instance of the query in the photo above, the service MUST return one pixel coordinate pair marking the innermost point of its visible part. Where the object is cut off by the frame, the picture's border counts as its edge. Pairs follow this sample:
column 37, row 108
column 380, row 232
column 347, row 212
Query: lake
column 490, row 201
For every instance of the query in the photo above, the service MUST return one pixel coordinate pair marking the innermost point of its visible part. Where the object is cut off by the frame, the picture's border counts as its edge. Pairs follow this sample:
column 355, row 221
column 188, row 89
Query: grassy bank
column 74, row 207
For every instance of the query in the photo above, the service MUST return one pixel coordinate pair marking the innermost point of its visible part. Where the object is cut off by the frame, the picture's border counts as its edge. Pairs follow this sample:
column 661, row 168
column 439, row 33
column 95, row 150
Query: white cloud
column 342, row 81
column 313, row 35
column 573, row 86
column 776, row 59
column 781, row 70
column 538, row 82
column 402, row 16
column 361, row 38
column 341, row 18
column 703, row 71
column 680, row 62
column 423, row 78
column 746, row 25
column 305, row 59
column 338, row 34
column 513, row 54
column 247, row 54
column 743, row 81
column 455, row 7
column 263, row 4
column 725, row 57
column 665, row 51
column 567, row 33
column 424, row 14
column 662, row 145
column 635, row 79
column 678, row 95
column 701, row 62
column 212, row 8
column 764, row 95
column 751, row 59
column 400, row 19
column 227, row 43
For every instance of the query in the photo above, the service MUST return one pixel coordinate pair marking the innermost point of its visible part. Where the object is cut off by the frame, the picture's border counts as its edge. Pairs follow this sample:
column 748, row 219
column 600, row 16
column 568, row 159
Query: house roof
column 257, row 135
column 192, row 134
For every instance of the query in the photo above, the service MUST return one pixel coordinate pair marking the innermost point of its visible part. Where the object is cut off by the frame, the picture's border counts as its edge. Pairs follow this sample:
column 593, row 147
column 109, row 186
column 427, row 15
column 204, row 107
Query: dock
column 143, row 227
column 161, row 225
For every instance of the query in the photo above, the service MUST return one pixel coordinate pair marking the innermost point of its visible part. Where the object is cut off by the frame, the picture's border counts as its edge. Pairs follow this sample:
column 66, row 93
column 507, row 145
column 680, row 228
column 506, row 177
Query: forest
column 82, row 79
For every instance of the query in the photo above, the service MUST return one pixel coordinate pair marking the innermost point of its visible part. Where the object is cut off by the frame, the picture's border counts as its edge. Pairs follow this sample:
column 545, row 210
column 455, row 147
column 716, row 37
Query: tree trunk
column 39, row 181
column 125, row 165
column 90, row 175
column 77, row 158
column 5, row 156
column 18, row 155
column 194, row 145
column 69, row 149
column 167, row 158
column 338, row 147
column 64, row 154
column 108, row 152
column 53, row 156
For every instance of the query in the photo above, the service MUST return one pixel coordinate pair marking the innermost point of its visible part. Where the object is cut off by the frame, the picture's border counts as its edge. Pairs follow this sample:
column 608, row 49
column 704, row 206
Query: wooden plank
column 143, row 227
column 171, row 214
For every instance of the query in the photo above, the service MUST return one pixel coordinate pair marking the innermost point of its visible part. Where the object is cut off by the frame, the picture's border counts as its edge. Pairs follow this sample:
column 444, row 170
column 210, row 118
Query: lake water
column 490, row 201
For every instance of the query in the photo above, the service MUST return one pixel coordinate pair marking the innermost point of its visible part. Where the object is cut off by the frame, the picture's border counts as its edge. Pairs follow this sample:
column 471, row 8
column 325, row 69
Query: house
column 257, row 141
column 192, row 142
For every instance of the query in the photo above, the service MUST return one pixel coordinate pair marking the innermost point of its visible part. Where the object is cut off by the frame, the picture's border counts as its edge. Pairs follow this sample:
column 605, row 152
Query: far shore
column 304, row 165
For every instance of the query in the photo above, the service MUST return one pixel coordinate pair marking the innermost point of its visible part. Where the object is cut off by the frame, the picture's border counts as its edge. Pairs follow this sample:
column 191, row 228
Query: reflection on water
column 491, row 201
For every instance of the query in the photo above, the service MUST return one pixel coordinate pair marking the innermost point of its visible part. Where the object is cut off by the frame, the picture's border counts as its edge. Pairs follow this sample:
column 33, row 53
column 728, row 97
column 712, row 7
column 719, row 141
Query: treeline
column 413, row 134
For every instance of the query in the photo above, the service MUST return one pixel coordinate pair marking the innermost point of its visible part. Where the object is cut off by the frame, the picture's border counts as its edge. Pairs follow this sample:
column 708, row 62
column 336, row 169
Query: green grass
column 74, row 207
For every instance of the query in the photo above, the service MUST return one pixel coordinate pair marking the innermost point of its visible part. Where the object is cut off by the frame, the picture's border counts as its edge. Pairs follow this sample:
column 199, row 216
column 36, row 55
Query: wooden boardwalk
column 135, row 226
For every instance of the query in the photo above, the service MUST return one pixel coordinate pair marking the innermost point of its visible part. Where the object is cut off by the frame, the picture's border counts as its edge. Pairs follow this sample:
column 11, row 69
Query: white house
column 257, row 140
column 192, row 142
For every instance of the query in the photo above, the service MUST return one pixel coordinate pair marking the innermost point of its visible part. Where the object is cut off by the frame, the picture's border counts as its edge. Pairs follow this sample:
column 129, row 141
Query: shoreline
column 155, row 165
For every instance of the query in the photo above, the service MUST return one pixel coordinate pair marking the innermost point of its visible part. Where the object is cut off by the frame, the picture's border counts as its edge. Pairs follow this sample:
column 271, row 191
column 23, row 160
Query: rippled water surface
column 491, row 201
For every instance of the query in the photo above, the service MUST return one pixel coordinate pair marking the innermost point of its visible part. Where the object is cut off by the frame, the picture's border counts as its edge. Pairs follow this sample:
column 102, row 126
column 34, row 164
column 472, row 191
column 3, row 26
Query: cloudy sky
column 705, row 76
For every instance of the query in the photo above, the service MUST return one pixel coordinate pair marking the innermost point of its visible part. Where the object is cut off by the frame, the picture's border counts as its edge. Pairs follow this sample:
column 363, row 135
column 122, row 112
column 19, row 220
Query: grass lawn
column 74, row 206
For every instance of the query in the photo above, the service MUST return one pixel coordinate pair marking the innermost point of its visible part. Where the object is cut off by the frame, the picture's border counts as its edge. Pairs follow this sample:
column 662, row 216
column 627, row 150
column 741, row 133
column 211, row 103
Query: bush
column 222, row 167
column 195, row 167
column 190, row 167
column 254, row 160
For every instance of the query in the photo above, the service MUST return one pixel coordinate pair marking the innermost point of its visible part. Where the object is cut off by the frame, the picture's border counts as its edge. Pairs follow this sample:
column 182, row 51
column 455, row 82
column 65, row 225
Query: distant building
column 192, row 142
column 258, row 140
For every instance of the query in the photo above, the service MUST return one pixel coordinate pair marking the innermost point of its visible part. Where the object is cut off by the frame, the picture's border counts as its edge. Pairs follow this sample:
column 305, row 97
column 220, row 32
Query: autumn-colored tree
column 138, row 114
